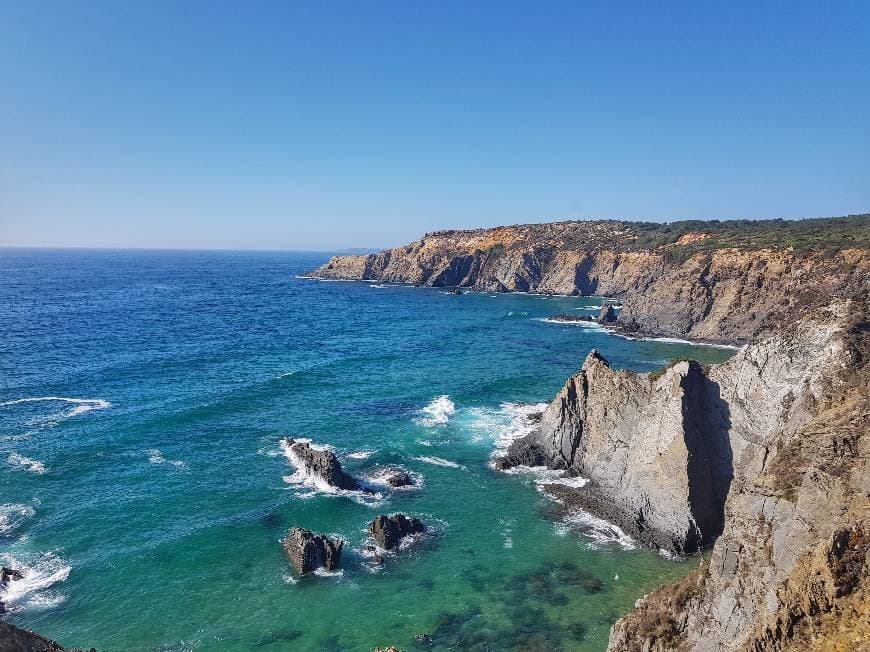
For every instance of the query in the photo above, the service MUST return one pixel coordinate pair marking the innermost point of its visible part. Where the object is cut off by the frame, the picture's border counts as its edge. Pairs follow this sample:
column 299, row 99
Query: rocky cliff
column 763, row 457
column 723, row 281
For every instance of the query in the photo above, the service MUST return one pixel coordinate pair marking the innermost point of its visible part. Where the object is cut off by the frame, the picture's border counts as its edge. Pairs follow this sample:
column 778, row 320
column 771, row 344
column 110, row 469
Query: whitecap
column 82, row 405
column 360, row 455
column 322, row 572
column 438, row 411
column 512, row 421
column 156, row 457
column 20, row 462
column 11, row 516
column 39, row 573
column 676, row 340
column 438, row 461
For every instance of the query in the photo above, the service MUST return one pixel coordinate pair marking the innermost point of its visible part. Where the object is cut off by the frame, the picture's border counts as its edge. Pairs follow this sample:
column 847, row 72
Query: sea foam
column 40, row 572
column 438, row 461
column 20, row 462
column 438, row 412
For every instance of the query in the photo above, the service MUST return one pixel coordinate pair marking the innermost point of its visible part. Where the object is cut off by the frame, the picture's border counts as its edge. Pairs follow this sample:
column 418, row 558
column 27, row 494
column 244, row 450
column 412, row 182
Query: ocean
column 144, row 493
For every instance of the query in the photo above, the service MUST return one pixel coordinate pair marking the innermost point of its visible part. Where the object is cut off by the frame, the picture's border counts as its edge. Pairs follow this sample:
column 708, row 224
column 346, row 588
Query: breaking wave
column 20, row 462
column 316, row 485
column 438, row 412
column 40, row 573
column 11, row 516
column 82, row 405
column 156, row 457
column 598, row 531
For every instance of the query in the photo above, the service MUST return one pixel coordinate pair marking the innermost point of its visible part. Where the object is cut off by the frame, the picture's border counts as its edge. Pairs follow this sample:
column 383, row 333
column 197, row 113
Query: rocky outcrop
column 662, row 450
column 607, row 315
column 721, row 281
column 398, row 478
column 15, row 639
column 388, row 531
column 319, row 463
column 308, row 552
column 7, row 575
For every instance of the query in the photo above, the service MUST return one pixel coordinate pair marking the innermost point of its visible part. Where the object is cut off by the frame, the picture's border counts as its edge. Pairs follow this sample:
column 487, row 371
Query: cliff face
column 765, row 455
column 700, row 284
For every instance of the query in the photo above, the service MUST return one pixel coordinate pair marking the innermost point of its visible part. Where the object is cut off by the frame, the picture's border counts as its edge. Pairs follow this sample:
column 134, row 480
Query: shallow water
column 147, row 494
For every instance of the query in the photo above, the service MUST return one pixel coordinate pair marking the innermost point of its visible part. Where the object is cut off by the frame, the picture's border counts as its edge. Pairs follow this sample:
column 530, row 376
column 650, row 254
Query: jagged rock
column 15, row 639
column 308, row 552
column 320, row 463
column 398, row 478
column 607, row 315
column 456, row 291
column 9, row 575
column 389, row 531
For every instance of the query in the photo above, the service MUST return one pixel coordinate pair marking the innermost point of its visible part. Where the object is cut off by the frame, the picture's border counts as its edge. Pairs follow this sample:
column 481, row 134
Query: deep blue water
column 145, row 494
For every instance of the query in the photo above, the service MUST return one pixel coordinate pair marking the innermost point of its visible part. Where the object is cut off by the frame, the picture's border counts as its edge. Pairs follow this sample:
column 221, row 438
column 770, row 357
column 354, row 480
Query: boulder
column 319, row 463
column 398, row 478
column 9, row 575
column 389, row 531
column 308, row 552
column 572, row 318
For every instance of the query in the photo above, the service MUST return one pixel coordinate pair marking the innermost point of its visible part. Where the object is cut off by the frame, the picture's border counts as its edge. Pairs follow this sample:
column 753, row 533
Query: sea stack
column 319, row 463
column 389, row 531
column 308, row 552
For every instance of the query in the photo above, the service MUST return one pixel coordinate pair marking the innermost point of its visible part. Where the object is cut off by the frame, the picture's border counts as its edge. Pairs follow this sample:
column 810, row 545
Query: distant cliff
column 725, row 281
column 765, row 455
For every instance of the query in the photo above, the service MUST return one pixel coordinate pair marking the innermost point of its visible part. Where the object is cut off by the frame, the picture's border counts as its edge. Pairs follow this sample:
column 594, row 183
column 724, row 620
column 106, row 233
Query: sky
column 325, row 125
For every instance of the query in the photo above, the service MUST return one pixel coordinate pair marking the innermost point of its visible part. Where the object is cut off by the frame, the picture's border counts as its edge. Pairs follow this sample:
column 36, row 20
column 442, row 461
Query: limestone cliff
column 724, row 281
column 765, row 455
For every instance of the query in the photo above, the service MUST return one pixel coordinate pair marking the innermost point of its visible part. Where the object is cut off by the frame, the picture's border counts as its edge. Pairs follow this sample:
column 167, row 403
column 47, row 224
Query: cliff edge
column 730, row 281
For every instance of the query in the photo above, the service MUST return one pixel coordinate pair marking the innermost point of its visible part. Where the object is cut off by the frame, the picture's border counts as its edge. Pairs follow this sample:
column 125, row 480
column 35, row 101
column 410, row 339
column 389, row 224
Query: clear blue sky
column 321, row 125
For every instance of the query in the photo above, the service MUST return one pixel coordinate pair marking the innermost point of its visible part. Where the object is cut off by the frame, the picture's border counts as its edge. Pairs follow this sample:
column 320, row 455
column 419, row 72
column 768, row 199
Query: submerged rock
column 398, row 478
column 389, row 531
column 308, row 552
column 322, row 464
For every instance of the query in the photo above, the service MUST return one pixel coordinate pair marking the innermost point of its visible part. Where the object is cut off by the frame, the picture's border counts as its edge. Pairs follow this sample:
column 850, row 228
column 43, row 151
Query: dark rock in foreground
column 308, row 552
column 389, row 531
column 322, row 464
column 15, row 639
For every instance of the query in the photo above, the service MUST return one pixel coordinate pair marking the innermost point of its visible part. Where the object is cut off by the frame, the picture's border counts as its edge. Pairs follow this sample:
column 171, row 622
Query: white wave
column 676, row 340
column 82, row 405
column 382, row 476
column 289, row 579
column 511, row 313
column 597, row 530
column 438, row 461
column 512, row 422
column 360, row 455
column 39, row 573
column 317, row 485
column 591, row 325
column 439, row 411
column 322, row 572
column 156, row 457
column 11, row 516
column 20, row 462
column 286, row 374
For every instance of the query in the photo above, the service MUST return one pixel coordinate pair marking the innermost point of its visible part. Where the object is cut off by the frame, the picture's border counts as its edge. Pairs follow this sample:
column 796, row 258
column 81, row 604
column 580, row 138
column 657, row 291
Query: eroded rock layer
column 723, row 281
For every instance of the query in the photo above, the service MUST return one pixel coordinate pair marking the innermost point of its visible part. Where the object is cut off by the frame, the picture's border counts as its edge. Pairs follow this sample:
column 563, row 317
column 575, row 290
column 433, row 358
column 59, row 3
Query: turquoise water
column 148, row 516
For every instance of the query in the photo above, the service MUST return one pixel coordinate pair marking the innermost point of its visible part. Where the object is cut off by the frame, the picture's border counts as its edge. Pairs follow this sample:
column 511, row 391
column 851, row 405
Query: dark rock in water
column 455, row 291
column 389, row 531
column 607, row 314
column 423, row 640
column 572, row 318
column 321, row 463
column 9, row 575
column 399, row 478
column 524, row 452
column 308, row 552
column 15, row 639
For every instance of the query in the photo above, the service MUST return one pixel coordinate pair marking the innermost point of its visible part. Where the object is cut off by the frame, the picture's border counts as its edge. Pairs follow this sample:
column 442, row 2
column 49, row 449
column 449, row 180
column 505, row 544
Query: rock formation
column 398, row 478
column 722, row 281
column 319, row 463
column 607, row 315
column 389, row 531
column 7, row 575
column 15, row 639
column 762, row 457
column 308, row 552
